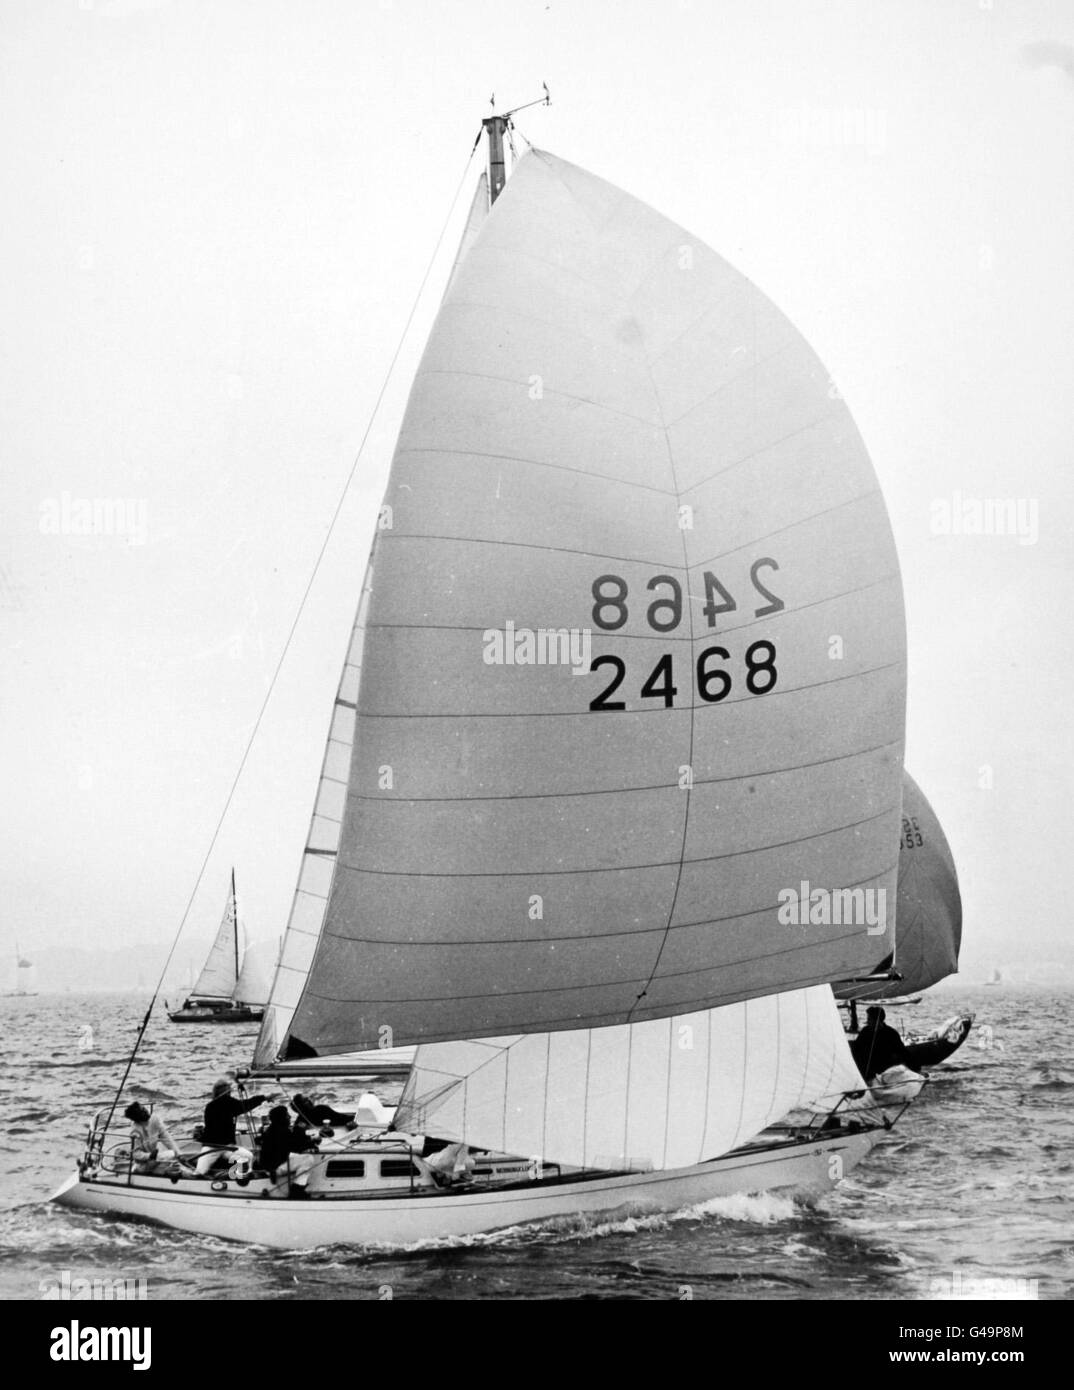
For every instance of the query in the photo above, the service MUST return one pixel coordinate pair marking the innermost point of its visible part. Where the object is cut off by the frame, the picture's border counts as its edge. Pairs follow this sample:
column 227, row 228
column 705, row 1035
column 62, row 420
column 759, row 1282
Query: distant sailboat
column 996, row 978
column 567, row 893
column 25, row 977
column 225, row 991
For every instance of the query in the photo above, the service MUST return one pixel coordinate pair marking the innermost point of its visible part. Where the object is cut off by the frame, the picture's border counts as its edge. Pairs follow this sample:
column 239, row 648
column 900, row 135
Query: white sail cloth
column 928, row 922
column 254, row 984
column 605, row 408
column 219, row 973
column 662, row 1094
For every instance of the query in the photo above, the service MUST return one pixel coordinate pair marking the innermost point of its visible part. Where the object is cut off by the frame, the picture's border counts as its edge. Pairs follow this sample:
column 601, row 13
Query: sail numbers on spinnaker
column 617, row 599
column 713, row 681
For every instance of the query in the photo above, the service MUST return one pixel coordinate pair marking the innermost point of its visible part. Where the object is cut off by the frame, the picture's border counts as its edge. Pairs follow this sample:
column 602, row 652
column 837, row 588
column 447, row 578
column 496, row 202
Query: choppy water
column 976, row 1181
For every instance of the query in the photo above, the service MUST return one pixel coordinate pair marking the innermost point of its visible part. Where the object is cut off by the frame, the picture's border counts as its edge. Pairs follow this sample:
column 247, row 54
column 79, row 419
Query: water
column 975, row 1182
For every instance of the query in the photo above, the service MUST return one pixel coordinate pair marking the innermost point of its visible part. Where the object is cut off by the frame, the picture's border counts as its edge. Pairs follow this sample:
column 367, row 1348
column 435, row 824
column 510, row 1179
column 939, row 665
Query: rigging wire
column 294, row 626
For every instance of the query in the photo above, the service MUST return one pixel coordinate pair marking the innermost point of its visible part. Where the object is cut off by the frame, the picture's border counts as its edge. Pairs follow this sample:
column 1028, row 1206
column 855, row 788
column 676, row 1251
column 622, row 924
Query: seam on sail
column 732, row 291
column 540, row 463
column 585, row 1108
column 755, row 453
column 654, row 787
column 796, row 341
column 740, row 1123
column 486, row 942
column 612, row 984
column 667, row 1092
column 605, row 345
column 626, row 1090
column 806, row 1004
column 779, row 1052
column 521, row 545
column 616, row 868
column 544, row 1109
column 585, row 1022
column 578, row 714
column 548, row 391
column 790, row 526
column 708, row 1080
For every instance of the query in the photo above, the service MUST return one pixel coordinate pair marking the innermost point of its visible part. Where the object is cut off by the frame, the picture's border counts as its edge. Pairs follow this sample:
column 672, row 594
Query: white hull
column 804, row 1169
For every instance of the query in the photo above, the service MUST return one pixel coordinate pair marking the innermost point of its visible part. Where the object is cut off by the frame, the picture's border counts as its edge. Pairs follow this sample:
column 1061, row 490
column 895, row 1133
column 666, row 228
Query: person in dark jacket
column 313, row 1114
column 878, row 1046
column 218, row 1136
column 286, row 1152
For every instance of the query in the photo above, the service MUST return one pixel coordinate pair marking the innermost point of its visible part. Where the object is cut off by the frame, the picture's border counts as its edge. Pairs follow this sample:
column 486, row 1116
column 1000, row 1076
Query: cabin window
column 345, row 1168
column 397, row 1168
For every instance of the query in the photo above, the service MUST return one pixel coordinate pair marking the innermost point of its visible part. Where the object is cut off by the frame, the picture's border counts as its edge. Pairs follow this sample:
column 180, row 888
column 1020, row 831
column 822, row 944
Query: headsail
column 254, row 984
column 611, row 432
column 311, row 894
column 928, row 914
column 479, row 210
column 663, row 1094
column 318, row 857
column 218, row 974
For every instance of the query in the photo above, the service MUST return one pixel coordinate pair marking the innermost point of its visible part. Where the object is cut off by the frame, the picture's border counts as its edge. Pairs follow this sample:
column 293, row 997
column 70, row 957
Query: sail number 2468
column 714, row 680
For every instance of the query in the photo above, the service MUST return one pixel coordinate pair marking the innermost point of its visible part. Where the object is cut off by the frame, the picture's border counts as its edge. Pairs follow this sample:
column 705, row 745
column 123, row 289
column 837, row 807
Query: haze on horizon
column 216, row 228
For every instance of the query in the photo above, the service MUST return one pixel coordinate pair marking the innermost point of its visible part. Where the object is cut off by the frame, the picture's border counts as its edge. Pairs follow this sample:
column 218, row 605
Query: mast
column 494, row 129
column 235, row 922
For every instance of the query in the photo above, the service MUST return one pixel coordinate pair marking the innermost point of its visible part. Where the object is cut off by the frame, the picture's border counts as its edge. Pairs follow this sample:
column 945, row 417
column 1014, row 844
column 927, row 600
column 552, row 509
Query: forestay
column 613, row 433
column 663, row 1094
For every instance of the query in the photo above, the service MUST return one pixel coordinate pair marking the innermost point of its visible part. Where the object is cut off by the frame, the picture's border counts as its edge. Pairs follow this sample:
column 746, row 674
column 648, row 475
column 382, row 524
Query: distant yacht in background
column 226, row 992
column 25, row 977
column 996, row 978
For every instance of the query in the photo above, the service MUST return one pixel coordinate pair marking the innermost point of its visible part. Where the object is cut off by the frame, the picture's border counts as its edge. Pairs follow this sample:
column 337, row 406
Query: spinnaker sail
column 928, row 913
column 613, row 436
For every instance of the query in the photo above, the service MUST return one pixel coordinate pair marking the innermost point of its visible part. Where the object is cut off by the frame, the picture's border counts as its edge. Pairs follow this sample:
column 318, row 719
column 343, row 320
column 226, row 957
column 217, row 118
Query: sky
column 217, row 217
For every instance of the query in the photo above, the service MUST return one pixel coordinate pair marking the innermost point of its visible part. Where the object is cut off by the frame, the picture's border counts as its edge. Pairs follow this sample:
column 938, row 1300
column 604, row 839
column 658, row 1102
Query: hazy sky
column 216, row 218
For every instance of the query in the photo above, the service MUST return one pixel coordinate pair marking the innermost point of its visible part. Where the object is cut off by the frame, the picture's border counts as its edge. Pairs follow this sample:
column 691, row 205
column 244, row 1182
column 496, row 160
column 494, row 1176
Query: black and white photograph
column 535, row 581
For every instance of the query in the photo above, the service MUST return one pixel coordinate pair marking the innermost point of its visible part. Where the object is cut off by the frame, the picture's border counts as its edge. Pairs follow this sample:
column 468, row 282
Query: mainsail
column 662, row 1094
column 928, row 911
column 612, row 437
column 220, row 971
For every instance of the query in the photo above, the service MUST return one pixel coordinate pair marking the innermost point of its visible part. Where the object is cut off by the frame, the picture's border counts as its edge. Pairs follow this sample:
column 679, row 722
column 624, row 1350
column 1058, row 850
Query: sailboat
column 227, row 991
column 929, row 932
column 25, row 977
column 628, row 660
